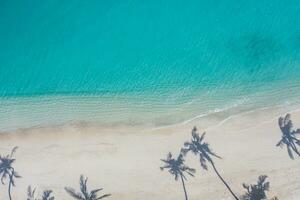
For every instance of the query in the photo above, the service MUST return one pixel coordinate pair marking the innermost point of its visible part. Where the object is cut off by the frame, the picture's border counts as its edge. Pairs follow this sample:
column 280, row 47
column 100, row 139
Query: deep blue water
column 114, row 61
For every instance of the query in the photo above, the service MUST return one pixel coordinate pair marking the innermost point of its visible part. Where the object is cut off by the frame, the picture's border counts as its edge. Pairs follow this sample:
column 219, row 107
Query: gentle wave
column 209, row 113
column 240, row 114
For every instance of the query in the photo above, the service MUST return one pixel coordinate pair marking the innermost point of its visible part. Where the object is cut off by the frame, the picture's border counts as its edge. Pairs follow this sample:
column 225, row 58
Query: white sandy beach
column 125, row 161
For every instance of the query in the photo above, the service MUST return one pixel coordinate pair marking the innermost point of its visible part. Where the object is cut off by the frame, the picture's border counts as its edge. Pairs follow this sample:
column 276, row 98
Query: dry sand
column 125, row 161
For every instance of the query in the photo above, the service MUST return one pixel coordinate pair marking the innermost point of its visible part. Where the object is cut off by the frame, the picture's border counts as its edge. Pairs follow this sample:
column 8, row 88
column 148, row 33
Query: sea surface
column 145, row 62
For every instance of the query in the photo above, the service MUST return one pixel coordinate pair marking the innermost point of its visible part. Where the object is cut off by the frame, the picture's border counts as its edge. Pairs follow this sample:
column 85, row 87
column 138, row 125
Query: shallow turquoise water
column 157, row 62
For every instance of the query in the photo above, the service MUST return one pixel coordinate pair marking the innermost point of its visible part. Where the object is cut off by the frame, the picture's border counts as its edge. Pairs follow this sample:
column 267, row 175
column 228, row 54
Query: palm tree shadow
column 7, row 170
column 289, row 136
column 178, row 169
column 200, row 148
column 84, row 194
column 257, row 191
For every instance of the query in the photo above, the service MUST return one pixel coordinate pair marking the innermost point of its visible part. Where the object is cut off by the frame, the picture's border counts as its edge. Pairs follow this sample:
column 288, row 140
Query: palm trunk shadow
column 9, row 187
column 223, row 181
column 183, row 185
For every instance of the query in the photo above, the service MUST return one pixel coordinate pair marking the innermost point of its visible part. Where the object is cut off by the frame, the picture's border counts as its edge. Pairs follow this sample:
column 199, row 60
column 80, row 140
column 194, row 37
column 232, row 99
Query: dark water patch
column 256, row 50
column 295, row 43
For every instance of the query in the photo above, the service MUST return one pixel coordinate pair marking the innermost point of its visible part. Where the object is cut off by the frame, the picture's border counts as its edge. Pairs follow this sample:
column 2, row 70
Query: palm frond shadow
column 30, row 193
column 7, row 170
column 178, row 169
column 84, row 194
column 257, row 191
column 289, row 136
column 47, row 194
column 199, row 148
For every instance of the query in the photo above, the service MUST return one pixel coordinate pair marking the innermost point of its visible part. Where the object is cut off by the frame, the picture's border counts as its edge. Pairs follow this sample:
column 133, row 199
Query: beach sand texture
column 125, row 161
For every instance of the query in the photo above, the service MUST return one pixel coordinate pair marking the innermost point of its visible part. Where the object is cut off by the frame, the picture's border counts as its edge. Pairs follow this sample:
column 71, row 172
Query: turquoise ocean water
column 144, row 62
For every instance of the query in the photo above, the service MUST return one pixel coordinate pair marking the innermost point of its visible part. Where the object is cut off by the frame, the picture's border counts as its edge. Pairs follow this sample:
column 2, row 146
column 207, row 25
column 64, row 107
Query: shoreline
column 47, row 111
column 219, row 117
